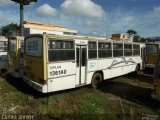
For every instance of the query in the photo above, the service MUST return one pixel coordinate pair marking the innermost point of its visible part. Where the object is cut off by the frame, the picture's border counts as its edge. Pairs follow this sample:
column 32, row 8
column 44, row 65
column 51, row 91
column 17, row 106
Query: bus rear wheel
column 96, row 80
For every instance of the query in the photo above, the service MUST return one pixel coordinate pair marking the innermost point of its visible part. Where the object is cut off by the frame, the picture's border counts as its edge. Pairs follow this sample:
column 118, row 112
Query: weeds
column 83, row 103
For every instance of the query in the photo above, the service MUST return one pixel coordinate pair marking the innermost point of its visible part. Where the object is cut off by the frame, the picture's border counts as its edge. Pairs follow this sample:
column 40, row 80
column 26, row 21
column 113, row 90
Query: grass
column 83, row 103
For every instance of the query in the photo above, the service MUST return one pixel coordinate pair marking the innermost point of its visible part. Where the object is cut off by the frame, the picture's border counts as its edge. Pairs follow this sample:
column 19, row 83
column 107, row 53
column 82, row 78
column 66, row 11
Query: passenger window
column 117, row 49
column 127, row 49
column 92, row 50
column 104, row 50
column 136, row 49
column 60, row 50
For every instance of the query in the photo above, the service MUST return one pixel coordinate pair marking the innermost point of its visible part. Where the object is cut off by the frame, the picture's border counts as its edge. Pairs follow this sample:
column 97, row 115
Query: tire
column 137, row 69
column 96, row 80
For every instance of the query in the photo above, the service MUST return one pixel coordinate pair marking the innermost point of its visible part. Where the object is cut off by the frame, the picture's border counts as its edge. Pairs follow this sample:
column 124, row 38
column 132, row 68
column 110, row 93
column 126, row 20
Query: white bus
column 53, row 63
column 3, row 53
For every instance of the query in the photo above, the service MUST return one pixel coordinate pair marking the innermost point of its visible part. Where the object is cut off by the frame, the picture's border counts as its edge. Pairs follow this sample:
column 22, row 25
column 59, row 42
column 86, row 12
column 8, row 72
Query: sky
column 90, row 17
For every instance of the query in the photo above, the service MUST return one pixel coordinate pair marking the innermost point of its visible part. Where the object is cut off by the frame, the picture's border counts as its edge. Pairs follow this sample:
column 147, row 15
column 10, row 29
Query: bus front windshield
column 3, row 46
column 152, row 49
column 12, row 45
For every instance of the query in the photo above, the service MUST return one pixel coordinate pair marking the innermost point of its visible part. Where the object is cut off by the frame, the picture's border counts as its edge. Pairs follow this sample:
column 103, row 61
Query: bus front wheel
column 137, row 69
column 96, row 80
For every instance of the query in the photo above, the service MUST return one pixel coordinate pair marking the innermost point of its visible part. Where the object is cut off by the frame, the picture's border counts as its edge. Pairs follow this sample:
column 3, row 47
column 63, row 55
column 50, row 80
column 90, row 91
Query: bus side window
column 92, row 50
column 127, row 49
column 136, row 49
column 104, row 50
column 60, row 50
column 117, row 49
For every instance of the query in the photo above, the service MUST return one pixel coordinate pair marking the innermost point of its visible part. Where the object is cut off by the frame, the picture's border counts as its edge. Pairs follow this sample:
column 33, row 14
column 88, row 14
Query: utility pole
column 22, row 3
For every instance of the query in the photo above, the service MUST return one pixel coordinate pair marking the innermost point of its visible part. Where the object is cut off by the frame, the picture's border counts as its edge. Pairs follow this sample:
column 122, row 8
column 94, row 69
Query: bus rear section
column 49, row 64
column 35, row 63
column 3, row 54
column 15, row 56
column 151, row 55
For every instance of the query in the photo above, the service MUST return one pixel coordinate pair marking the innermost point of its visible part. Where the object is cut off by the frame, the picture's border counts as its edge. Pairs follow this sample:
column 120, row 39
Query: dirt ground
column 137, row 89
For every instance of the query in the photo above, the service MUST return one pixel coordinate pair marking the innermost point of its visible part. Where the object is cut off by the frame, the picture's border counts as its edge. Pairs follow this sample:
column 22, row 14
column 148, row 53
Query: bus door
column 157, row 78
column 81, row 61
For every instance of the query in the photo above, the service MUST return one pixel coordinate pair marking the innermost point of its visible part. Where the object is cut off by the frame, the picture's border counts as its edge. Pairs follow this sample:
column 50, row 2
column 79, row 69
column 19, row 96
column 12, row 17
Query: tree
column 10, row 29
column 133, row 33
column 136, row 38
column 143, row 40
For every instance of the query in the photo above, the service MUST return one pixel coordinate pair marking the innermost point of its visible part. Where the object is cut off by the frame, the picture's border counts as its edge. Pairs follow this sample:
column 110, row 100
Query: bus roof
column 75, row 37
column 17, row 37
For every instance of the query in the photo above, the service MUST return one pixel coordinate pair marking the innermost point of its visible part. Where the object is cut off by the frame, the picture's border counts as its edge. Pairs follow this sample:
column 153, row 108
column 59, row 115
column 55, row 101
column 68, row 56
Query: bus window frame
column 152, row 45
column 56, row 39
column 122, row 49
column 100, row 49
column 41, row 47
column 136, row 49
column 97, row 57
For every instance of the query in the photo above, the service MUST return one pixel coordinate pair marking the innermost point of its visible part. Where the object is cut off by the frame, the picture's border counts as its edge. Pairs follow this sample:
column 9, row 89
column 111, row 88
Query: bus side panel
column 61, row 83
column 91, row 68
column 61, row 69
column 103, row 65
column 61, row 76
column 113, row 67
column 131, row 66
column 89, row 77
column 33, row 69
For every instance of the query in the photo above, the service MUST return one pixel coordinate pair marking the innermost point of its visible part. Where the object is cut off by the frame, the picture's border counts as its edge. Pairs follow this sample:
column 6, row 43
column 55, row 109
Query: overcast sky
column 90, row 17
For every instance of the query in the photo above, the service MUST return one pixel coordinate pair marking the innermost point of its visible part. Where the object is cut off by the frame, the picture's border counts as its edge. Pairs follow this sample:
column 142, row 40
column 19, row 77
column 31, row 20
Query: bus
column 3, row 54
column 15, row 56
column 151, row 54
column 54, row 62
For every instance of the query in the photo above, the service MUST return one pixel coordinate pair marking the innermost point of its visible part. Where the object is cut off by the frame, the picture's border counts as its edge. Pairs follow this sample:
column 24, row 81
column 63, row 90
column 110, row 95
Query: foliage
column 131, row 32
column 136, row 38
column 134, row 34
column 143, row 39
column 9, row 29
column 83, row 103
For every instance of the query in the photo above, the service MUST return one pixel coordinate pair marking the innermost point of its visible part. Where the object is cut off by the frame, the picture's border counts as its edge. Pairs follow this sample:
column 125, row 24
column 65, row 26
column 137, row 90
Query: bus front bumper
column 35, row 85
